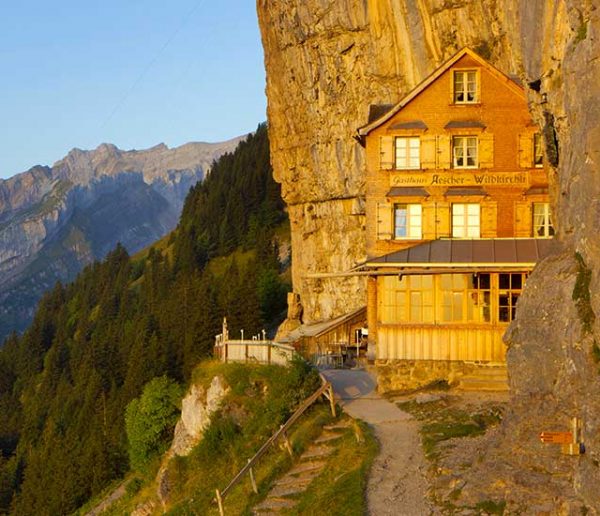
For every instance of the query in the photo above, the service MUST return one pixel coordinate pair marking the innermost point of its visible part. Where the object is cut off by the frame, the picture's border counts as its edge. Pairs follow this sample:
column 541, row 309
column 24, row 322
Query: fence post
column 226, row 351
column 220, row 502
column 332, row 400
column 254, row 488
column 287, row 445
column 269, row 354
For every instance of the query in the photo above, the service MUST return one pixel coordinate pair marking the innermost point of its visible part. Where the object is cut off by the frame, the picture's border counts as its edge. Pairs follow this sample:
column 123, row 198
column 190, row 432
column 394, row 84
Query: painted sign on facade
column 508, row 179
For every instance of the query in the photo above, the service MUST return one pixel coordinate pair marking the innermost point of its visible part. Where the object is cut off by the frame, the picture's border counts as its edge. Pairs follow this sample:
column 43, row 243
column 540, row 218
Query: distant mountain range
column 55, row 220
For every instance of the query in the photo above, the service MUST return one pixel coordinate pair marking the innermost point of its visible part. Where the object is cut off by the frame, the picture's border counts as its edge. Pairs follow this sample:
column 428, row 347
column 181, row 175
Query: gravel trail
column 397, row 483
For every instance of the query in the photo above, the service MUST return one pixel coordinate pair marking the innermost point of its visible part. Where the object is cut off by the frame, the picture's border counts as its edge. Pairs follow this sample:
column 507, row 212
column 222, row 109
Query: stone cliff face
column 55, row 220
column 327, row 61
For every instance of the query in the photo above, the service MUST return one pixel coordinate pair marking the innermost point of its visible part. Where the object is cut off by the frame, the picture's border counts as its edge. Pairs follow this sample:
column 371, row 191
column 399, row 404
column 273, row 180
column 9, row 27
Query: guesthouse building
column 457, row 215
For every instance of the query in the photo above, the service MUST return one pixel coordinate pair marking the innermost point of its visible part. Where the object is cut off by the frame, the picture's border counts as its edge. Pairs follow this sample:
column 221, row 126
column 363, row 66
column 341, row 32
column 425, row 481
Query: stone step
column 289, row 489
column 480, row 384
column 305, row 467
column 274, row 504
column 307, row 476
column 316, row 452
column 342, row 425
column 327, row 437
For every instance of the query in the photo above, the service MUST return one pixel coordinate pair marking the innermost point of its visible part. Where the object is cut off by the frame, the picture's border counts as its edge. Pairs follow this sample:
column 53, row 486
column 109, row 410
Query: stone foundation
column 406, row 375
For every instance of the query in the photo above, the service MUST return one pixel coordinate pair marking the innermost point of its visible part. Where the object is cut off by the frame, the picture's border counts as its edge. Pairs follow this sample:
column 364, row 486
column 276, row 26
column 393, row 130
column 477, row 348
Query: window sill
column 462, row 104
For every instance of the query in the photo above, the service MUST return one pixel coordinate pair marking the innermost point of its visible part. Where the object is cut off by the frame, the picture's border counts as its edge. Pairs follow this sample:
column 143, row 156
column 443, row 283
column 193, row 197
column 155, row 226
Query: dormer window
column 465, row 87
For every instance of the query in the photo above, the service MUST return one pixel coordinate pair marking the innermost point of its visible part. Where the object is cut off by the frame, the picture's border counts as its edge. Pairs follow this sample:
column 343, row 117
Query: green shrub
column 150, row 419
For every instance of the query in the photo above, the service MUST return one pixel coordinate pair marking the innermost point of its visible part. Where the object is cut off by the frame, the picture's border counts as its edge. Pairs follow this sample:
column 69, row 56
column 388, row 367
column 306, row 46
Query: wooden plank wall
column 427, row 342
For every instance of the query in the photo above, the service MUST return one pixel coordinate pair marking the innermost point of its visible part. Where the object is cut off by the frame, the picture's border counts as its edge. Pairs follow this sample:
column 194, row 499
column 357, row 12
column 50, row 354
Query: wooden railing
column 253, row 351
column 325, row 390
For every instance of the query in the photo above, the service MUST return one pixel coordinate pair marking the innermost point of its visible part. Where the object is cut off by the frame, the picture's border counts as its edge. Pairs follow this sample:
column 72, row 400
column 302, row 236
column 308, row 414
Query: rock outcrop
column 327, row 61
column 53, row 221
column 197, row 407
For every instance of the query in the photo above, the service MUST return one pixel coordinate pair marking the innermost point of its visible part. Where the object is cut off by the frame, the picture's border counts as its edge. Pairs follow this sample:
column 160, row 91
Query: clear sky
column 77, row 73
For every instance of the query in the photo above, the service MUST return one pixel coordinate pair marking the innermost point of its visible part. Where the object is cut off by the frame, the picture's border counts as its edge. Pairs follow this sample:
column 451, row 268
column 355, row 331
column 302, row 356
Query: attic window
column 465, row 87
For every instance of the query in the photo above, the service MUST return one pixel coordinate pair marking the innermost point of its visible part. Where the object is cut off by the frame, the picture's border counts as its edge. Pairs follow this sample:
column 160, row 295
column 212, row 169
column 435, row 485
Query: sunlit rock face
column 327, row 61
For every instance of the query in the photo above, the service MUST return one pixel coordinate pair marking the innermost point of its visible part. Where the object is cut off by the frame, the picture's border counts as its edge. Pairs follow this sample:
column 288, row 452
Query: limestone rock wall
column 328, row 60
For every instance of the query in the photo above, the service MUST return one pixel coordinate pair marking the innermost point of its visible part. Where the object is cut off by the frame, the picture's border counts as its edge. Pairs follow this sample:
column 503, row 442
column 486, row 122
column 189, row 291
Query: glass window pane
column 516, row 281
column 473, row 209
column 504, row 281
column 484, row 281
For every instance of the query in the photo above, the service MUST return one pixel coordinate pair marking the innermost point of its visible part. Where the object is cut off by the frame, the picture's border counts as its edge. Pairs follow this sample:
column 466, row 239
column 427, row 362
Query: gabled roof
column 490, row 252
column 389, row 113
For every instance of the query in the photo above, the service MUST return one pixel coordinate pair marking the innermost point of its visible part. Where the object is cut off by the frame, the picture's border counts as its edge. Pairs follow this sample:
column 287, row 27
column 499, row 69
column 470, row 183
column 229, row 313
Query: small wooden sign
column 556, row 437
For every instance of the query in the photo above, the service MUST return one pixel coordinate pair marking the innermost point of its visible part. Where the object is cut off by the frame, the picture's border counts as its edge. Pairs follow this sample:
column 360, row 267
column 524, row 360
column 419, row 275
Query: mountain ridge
column 54, row 220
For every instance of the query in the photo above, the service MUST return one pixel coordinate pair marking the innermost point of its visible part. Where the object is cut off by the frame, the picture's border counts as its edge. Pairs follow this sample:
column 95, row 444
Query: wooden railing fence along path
column 325, row 390
column 257, row 350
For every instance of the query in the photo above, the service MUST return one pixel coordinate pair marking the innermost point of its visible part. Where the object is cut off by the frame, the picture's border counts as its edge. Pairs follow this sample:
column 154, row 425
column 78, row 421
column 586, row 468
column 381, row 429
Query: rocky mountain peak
column 78, row 209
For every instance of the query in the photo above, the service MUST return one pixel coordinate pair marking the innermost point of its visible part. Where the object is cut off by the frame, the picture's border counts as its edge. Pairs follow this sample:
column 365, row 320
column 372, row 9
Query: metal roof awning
column 537, row 190
column 413, row 124
column 464, row 254
column 319, row 328
column 464, row 124
column 399, row 191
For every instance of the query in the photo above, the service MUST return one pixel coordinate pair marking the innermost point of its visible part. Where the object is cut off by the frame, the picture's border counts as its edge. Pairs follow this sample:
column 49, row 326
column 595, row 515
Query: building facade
column 457, row 210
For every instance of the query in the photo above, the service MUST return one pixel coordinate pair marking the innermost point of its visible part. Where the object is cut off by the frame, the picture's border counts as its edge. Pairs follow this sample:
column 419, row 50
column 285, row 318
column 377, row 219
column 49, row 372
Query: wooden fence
column 253, row 351
column 325, row 390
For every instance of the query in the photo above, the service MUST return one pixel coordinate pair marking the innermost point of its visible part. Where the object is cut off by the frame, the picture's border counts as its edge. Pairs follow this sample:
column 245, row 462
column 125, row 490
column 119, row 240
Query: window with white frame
column 465, row 86
column 542, row 220
column 465, row 220
column 538, row 155
column 407, row 221
column 408, row 155
column 464, row 151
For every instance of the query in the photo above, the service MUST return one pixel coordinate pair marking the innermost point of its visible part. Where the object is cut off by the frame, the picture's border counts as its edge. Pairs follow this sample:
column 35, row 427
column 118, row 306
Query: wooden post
column 220, row 502
column 332, row 400
column 246, row 353
column 287, row 445
column 226, row 352
column 254, row 488
column 269, row 354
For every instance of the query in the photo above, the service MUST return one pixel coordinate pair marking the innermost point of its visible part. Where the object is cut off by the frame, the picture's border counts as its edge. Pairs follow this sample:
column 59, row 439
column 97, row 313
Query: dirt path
column 115, row 495
column 397, row 483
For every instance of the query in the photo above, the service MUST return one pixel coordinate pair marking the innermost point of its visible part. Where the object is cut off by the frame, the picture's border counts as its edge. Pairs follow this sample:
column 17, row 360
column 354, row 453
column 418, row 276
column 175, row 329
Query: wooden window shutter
column 428, row 152
column 444, row 152
column 526, row 150
column 384, row 221
column 443, row 219
column 428, row 221
column 523, row 219
column 489, row 219
column 486, row 150
column 386, row 152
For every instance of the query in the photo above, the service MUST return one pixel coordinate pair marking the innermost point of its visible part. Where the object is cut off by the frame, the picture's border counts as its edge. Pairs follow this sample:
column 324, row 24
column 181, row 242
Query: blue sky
column 130, row 72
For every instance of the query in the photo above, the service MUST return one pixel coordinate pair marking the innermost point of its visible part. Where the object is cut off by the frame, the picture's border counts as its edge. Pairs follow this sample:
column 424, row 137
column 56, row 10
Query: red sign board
column 556, row 437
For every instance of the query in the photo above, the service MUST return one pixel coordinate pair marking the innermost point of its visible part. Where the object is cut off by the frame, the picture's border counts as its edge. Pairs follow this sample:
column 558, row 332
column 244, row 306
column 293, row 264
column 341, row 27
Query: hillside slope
column 96, row 342
column 53, row 221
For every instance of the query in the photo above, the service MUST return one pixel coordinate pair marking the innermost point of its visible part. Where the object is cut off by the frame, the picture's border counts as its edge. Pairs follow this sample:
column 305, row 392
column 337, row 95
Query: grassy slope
column 258, row 400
